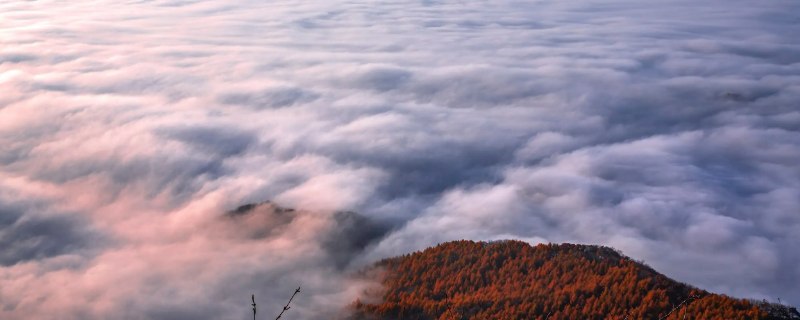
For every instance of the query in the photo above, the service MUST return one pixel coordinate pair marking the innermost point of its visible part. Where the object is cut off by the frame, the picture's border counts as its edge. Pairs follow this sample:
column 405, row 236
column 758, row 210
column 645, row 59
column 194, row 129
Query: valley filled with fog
column 130, row 129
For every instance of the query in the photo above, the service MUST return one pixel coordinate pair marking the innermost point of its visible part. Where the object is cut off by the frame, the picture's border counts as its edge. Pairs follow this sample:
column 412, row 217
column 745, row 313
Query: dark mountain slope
column 513, row 280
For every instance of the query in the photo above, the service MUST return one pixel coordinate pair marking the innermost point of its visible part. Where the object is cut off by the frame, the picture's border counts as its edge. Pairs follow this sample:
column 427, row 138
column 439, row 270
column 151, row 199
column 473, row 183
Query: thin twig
column 684, row 311
column 673, row 309
column 287, row 304
column 254, row 306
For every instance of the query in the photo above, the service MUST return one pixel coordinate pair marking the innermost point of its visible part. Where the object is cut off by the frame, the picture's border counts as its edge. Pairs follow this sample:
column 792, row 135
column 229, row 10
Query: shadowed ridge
column 247, row 208
column 348, row 234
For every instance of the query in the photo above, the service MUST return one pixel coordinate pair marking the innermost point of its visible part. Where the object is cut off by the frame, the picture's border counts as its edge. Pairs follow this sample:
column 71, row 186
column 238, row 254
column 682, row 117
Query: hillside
column 514, row 280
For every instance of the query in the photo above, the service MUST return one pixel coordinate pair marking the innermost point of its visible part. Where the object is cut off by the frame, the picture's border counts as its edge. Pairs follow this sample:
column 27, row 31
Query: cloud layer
column 667, row 129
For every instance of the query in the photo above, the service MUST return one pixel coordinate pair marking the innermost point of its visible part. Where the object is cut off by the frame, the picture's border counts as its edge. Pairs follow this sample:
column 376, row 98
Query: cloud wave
column 667, row 129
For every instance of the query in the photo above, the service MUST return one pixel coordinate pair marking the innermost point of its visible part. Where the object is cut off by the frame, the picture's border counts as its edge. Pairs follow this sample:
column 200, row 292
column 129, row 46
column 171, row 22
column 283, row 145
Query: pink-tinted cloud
column 129, row 130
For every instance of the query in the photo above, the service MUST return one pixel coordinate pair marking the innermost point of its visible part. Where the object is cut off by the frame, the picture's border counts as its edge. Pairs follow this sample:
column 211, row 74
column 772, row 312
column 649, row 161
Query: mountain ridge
column 513, row 280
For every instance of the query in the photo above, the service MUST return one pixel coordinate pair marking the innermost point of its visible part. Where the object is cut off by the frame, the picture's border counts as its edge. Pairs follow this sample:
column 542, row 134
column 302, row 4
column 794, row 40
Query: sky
column 668, row 129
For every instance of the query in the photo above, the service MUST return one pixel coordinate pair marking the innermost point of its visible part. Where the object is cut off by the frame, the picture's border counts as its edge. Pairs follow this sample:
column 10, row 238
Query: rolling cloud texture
column 669, row 129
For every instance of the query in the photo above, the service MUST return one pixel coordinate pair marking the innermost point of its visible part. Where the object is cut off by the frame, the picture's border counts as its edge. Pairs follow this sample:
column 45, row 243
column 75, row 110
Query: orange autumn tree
column 513, row 280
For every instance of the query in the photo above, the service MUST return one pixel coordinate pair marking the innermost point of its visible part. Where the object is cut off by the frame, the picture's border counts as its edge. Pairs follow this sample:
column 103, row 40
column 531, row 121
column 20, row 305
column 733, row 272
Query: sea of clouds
column 669, row 129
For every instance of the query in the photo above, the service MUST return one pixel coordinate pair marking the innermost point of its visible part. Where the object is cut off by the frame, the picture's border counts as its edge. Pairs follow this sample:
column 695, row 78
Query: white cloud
column 668, row 129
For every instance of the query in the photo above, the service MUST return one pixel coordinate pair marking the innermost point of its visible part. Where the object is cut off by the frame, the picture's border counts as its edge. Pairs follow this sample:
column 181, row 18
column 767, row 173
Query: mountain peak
column 513, row 280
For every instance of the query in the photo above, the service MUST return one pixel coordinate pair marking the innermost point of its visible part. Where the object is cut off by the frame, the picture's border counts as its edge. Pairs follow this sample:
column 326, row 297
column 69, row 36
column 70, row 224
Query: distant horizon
column 669, row 130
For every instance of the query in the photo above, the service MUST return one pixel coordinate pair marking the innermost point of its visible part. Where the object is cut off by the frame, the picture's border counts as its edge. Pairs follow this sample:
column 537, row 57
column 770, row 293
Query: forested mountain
column 514, row 280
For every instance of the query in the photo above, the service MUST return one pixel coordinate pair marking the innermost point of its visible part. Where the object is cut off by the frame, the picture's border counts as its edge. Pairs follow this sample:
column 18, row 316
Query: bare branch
column 287, row 304
column 254, row 306
column 673, row 309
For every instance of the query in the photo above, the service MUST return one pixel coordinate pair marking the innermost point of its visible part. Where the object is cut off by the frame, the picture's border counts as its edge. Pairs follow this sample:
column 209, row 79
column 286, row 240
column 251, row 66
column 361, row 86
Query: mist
column 131, row 131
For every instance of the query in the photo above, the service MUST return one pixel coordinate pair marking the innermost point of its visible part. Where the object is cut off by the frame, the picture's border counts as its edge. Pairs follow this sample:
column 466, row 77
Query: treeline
column 514, row 280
